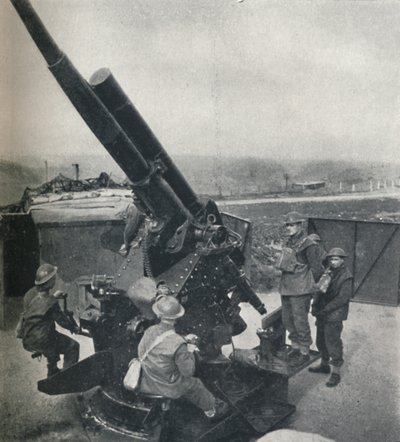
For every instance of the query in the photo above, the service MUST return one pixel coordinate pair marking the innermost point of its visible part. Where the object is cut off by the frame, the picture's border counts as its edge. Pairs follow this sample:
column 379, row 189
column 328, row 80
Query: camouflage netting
column 62, row 184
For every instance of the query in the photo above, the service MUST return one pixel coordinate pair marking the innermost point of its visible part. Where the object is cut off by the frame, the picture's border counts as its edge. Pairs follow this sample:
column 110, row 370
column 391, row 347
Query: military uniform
column 331, row 310
column 168, row 369
column 41, row 311
column 297, row 286
column 134, row 220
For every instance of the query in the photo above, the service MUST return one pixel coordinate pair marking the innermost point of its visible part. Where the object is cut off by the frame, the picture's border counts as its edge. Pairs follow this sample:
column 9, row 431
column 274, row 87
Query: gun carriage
column 188, row 245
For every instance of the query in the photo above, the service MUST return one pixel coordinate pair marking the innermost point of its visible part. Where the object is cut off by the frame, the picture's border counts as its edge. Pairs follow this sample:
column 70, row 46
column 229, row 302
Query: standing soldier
column 41, row 311
column 331, row 310
column 301, row 266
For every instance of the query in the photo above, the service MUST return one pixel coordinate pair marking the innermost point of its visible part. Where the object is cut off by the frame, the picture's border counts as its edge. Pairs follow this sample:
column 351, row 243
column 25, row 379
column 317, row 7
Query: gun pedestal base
column 257, row 399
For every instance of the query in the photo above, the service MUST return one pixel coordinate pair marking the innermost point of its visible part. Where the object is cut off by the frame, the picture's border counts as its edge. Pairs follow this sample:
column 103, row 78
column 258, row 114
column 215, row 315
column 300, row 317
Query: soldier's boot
column 299, row 359
column 323, row 367
column 335, row 377
column 52, row 369
column 220, row 410
column 290, row 351
column 71, row 353
column 333, row 380
column 287, row 353
column 293, row 353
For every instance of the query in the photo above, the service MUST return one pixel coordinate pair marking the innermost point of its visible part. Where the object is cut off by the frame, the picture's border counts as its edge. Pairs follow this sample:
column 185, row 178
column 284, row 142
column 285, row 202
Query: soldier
column 168, row 369
column 331, row 310
column 315, row 237
column 134, row 220
column 41, row 311
column 301, row 266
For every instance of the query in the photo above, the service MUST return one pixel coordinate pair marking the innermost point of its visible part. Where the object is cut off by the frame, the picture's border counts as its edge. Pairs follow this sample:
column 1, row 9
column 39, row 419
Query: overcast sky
column 295, row 79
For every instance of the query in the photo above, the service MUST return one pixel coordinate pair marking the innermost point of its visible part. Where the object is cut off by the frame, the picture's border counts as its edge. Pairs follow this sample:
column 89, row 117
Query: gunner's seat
column 158, row 406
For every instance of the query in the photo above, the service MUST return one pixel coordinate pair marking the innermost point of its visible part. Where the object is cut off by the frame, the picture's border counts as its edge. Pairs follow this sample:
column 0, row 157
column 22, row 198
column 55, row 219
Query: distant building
column 308, row 185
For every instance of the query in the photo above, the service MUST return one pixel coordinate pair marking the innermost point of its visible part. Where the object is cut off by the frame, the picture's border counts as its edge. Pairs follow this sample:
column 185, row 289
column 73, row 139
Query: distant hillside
column 208, row 175
column 13, row 180
column 345, row 171
column 231, row 176
column 10, row 172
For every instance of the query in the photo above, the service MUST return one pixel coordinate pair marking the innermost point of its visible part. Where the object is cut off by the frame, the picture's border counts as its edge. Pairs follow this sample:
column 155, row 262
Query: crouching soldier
column 38, row 332
column 331, row 309
column 168, row 367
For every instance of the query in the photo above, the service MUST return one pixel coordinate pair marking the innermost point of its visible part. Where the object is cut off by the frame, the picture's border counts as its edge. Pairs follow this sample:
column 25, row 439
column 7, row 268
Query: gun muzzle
column 123, row 110
column 91, row 109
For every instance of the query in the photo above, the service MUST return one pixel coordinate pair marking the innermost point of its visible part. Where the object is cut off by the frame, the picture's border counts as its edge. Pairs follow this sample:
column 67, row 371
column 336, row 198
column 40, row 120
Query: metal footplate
column 279, row 362
column 74, row 379
column 257, row 402
column 284, row 358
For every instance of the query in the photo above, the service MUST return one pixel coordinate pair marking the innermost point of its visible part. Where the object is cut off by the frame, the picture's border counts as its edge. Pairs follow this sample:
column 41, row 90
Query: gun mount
column 187, row 245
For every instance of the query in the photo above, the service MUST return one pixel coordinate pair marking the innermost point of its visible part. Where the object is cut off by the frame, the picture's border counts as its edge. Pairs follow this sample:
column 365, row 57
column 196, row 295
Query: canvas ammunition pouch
column 287, row 260
column 132, row 376
column 324, row 282
column 297, row 277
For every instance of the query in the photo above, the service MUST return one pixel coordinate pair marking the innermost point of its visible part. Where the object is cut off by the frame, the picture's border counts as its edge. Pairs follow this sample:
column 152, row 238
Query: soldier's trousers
column 295, row 320
column 329, row 342
column 198, row 395
column 61, row 344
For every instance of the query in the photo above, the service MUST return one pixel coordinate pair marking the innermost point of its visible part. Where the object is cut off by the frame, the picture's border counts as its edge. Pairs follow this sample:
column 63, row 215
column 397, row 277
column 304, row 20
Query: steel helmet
column 44, row 273
column 337, row 251
column 168, row 307
column 293, row 218
column 315, row 237
column 164, row 290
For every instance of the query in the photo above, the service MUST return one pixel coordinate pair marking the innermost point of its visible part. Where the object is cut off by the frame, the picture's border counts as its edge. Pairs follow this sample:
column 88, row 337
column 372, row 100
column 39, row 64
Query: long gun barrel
column 81, row 95
column 149, row 186
column 123, row 110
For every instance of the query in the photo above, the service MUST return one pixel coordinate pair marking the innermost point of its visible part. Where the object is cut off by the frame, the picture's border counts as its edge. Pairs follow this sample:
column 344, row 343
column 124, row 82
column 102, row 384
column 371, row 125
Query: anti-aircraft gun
column 188, row 245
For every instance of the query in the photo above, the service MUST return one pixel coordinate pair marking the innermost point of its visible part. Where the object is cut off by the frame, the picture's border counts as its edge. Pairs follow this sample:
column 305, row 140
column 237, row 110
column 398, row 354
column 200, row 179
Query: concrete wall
column 77, row 248
column 19, row 258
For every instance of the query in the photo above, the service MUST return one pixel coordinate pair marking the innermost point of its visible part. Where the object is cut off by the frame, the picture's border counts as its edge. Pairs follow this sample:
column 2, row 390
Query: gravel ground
column 365, row 407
